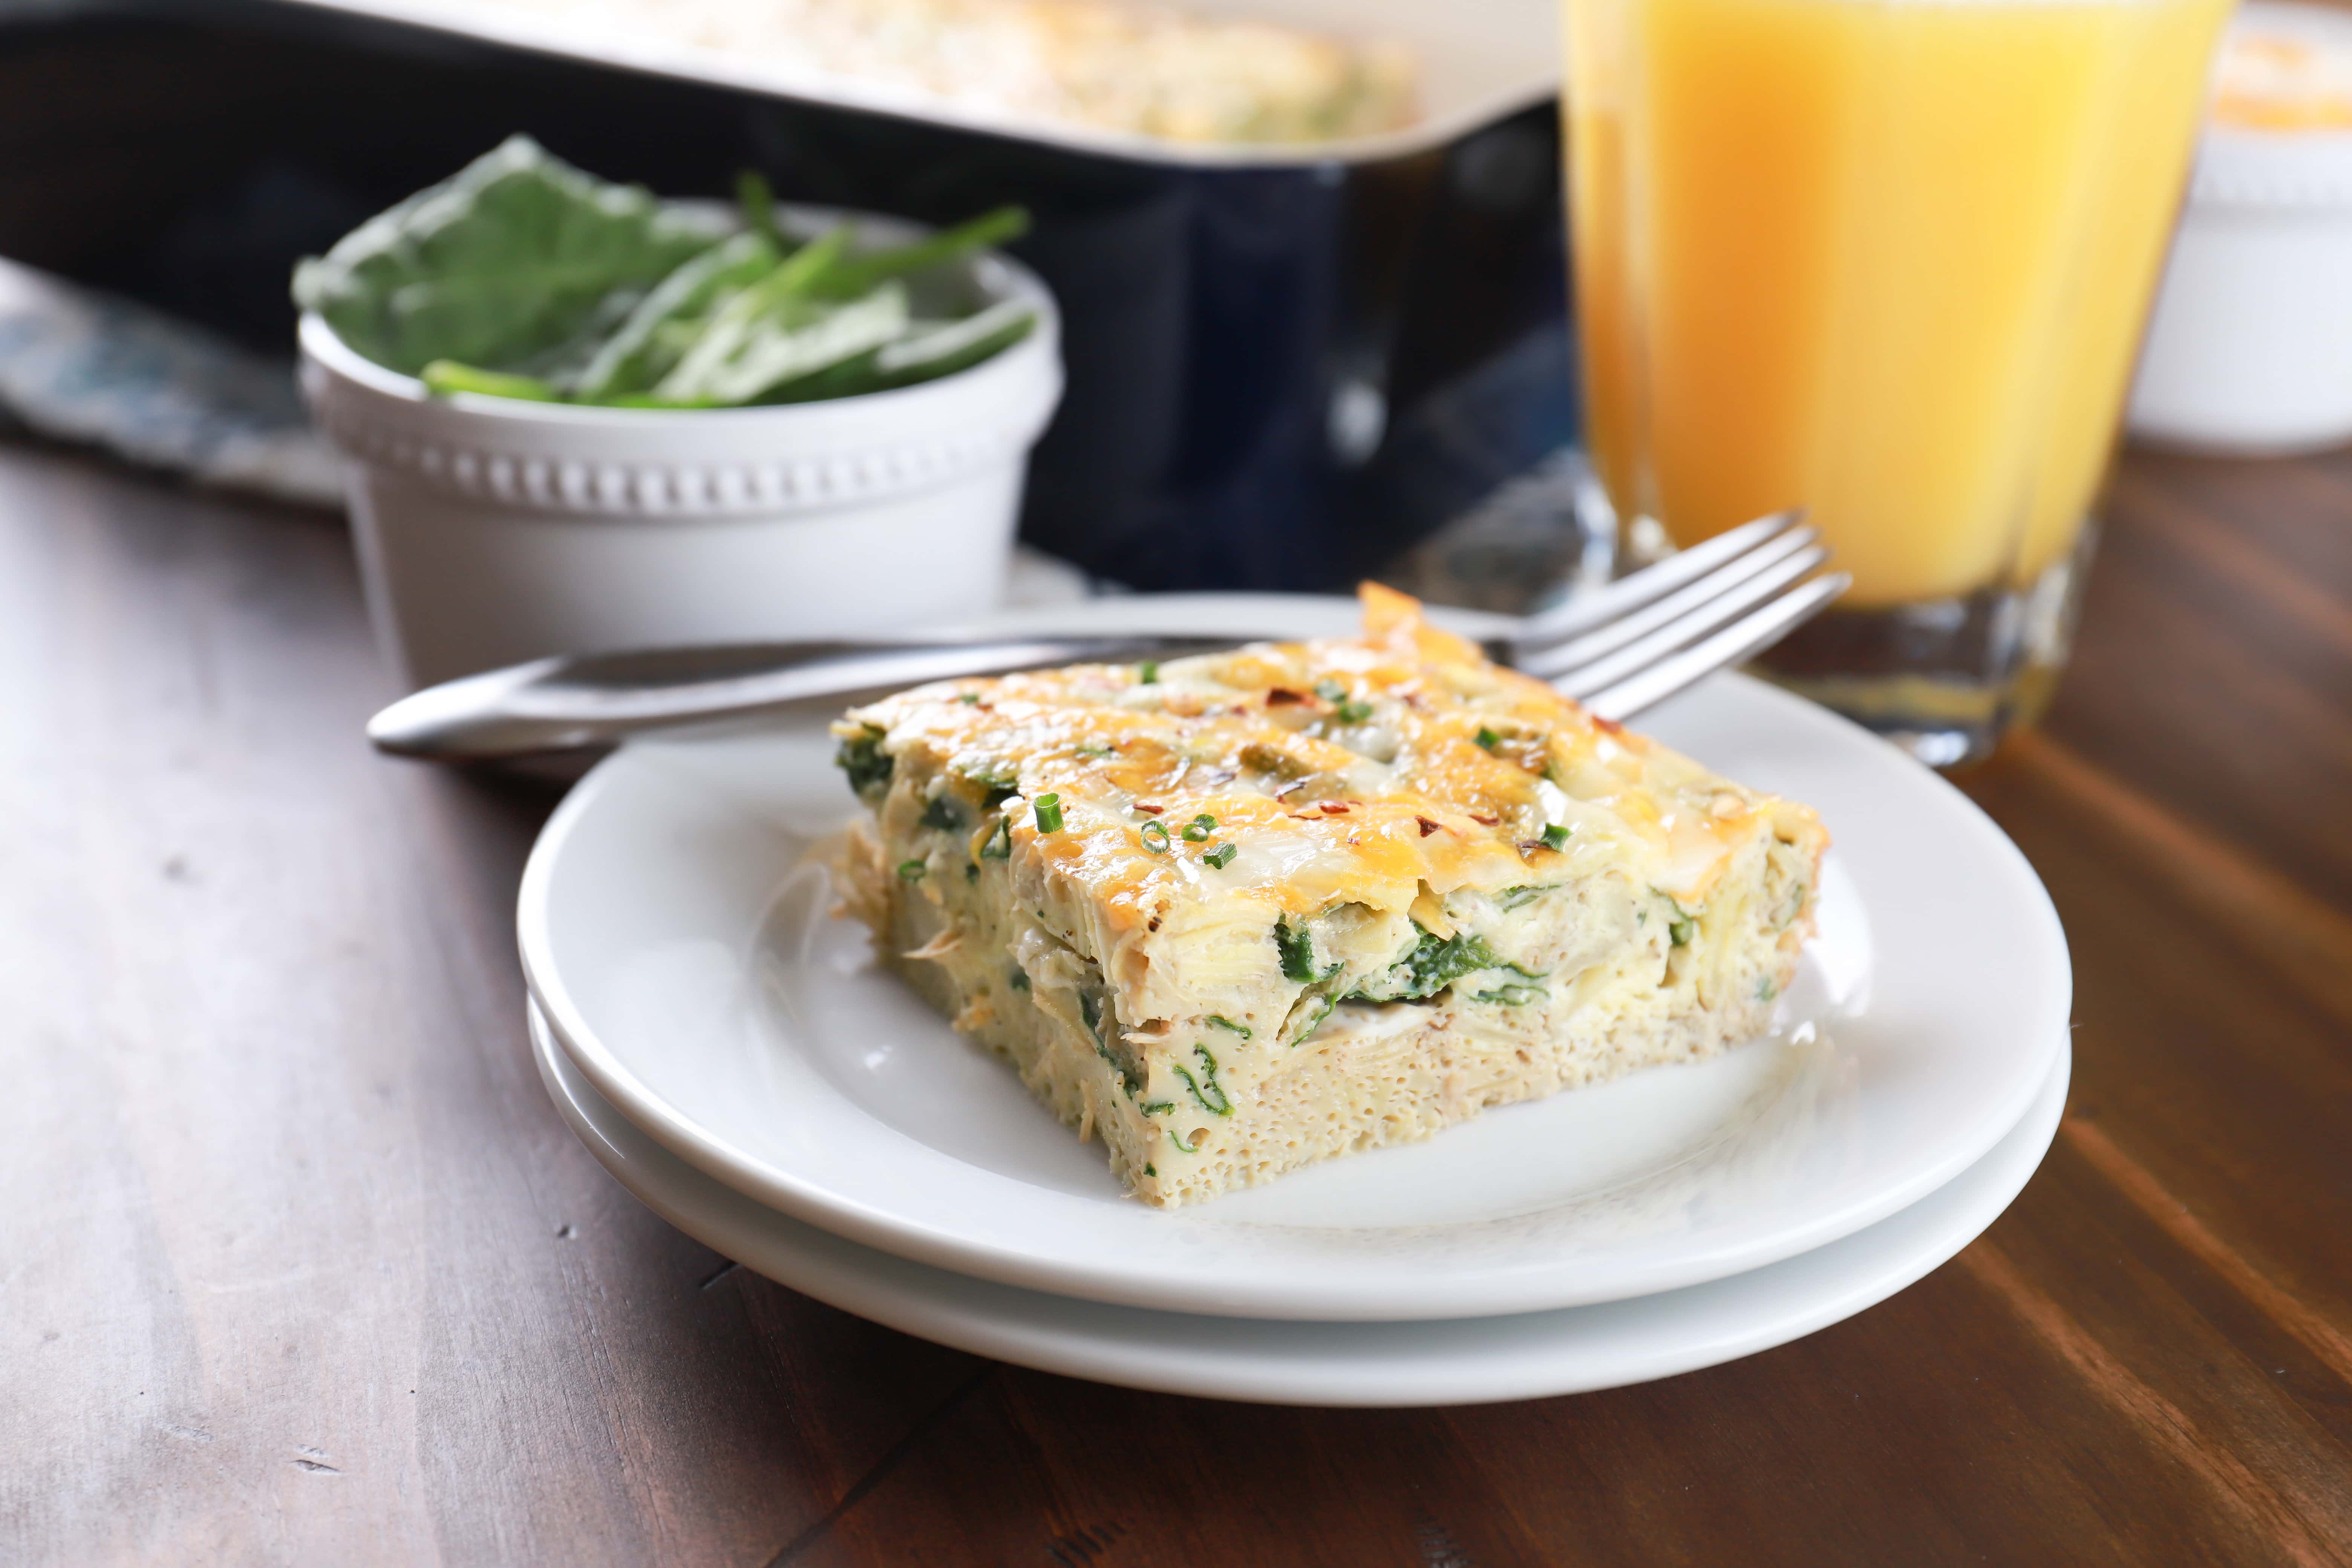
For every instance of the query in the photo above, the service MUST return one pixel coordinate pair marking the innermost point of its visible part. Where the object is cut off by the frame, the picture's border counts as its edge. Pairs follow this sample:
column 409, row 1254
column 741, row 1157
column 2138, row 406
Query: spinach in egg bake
column 1243, row 911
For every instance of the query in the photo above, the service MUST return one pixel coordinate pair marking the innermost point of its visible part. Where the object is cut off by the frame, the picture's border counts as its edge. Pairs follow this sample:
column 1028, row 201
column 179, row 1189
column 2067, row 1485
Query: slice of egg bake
column 1246, row 910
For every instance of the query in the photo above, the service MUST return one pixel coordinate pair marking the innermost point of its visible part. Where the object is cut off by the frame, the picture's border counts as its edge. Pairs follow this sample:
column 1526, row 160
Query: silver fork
column 1623, row 648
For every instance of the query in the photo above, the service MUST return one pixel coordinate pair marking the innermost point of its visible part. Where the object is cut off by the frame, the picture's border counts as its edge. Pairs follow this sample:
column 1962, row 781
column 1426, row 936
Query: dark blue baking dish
column 1284, row 367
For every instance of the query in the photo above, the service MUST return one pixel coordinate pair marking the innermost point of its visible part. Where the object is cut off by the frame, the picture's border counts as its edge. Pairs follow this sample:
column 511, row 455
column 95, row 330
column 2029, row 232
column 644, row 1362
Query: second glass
column 1888, row 260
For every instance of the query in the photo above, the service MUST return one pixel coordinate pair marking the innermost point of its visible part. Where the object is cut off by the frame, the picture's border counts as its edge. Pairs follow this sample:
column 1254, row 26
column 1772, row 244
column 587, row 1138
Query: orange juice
column 1886, row 259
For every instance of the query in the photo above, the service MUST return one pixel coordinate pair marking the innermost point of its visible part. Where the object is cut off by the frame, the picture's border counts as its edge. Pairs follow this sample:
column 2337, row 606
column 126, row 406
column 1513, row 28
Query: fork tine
column 1629, row 592
column 1720, row 610
column 1580, row 651
column 1745, row 637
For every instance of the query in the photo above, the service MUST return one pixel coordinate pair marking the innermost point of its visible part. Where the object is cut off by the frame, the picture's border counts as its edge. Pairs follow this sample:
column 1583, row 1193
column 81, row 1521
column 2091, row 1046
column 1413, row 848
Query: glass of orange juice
column 1888, row 260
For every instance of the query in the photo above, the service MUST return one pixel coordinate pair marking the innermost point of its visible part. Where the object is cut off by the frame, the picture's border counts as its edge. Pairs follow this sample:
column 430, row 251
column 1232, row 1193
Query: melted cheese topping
column 1380, row 768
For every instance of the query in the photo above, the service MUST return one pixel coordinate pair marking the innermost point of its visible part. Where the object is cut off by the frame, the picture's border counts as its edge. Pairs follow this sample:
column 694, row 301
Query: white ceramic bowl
column 492, row 531
column 2250, row 347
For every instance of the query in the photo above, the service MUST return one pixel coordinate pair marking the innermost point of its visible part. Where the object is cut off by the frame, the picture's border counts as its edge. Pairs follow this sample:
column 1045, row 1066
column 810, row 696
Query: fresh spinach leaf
column 757, row 203
column 444, row 377
column 510, row 259
column 648, row 347
column 772, row 333
column 523, row 277
column 856, row 274
column 927, row 352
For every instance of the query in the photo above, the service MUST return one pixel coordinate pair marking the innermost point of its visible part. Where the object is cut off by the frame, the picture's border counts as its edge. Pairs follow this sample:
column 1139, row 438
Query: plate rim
column 933, row 1304
column 1431, row 1296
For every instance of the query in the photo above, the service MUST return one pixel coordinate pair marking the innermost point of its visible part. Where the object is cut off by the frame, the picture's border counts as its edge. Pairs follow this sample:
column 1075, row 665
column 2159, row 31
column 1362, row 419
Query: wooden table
column 297, row 1262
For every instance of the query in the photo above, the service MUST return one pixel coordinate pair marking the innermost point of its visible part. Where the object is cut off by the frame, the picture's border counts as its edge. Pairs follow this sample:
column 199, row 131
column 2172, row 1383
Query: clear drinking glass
column 1888, row 260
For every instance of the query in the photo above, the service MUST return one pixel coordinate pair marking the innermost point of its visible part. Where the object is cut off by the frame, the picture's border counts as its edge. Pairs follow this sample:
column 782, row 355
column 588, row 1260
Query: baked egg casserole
column 1239, row 912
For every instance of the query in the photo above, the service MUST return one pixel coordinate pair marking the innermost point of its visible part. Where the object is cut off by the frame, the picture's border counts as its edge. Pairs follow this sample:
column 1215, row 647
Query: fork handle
column 574, row 701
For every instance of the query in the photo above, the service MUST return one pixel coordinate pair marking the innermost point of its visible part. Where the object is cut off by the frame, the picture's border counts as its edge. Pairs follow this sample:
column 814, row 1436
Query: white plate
column 682, row 948
column 1461, row 1362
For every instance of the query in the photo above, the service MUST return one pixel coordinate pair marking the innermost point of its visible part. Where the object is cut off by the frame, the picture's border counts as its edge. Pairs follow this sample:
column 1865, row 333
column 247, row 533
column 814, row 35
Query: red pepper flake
column 1333, row 808
column 1484, row 821
column 1607, row 726
column 1427, row 827
column 1282, row 697
column 1149, row 809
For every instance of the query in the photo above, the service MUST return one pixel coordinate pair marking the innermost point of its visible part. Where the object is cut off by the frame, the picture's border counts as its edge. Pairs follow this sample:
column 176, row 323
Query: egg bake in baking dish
column 1242, row 911
column 1157, row 70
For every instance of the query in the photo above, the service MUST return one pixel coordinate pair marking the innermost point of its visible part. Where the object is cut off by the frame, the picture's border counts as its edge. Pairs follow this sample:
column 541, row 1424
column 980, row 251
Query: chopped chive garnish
column 1182, row 1147
column 970, row 696
column 1684, row 926
column 1047, row 809
column 1555, row 837
column 1158, row 1106
column 1221, row 1021
column 1222, row 856
column 941, row 814
column 911, row 869
column 997, row 785
column 1150, row 1170
column 1155, row 837
column 1000, row 843
column 1020, row 980
column 1488, row 739
column 861, row 756
column 1345, row 709
column 1197, row 831
column 971, row 870
column 1147, row 672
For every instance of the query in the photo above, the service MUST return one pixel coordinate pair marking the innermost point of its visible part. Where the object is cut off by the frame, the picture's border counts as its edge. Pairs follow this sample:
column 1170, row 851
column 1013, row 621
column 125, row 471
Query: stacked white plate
column 729, row 1050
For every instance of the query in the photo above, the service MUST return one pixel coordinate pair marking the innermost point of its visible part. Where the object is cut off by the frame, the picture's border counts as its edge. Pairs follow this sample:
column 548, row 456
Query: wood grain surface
column 297, row 1263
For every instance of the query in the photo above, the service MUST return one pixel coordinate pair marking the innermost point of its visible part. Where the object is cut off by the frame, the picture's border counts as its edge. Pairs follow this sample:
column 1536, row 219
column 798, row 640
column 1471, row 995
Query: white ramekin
column 2250, row 347
column 492, row 531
